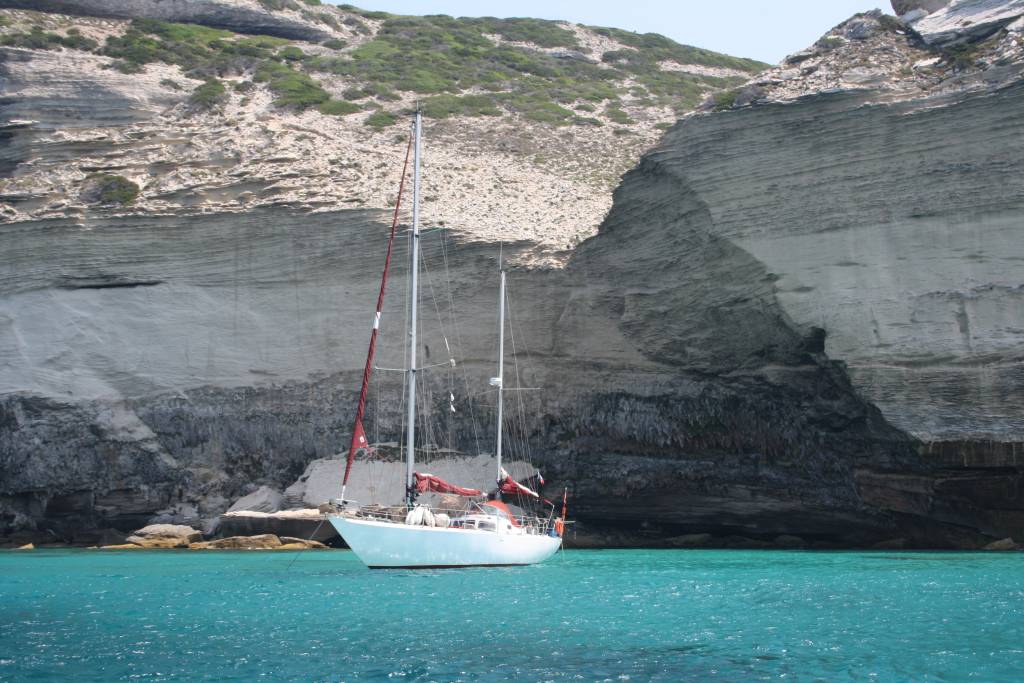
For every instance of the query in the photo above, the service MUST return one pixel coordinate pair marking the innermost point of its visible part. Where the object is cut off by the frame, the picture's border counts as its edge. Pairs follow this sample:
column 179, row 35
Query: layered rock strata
column 953, row 22
column 801, row 317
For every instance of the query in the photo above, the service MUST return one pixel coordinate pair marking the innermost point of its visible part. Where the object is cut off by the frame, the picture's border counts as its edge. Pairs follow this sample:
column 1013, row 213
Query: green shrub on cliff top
column 290, row 87
column 537, row 31
column 338, row 108
column 291, row 54
column 381, row 119
column 148, row 40
column 656, row 47
column 724, row 100
column 209, row 95
column 444, row 106
column 440, row 55
column 106, row 188
column 37, row 39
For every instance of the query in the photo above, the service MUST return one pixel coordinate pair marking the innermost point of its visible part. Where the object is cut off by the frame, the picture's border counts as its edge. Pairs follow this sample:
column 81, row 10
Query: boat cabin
column 490, row 516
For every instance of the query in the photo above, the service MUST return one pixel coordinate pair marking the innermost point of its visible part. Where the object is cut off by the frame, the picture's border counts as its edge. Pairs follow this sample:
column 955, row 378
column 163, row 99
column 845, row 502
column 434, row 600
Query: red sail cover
column 428, row 482
column 514, row 488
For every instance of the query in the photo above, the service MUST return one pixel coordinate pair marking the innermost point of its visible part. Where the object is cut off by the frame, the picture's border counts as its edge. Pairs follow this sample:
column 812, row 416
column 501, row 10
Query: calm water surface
column 585, row 615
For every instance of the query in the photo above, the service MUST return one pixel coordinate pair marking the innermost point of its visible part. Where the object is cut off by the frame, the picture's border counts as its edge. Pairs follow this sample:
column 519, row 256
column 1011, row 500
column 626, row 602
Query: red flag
column 358, row 437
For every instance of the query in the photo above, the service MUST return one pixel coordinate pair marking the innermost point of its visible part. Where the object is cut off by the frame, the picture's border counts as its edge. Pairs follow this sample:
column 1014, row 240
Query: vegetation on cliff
column 458, row 66
column 567, row 107
column 107, row 188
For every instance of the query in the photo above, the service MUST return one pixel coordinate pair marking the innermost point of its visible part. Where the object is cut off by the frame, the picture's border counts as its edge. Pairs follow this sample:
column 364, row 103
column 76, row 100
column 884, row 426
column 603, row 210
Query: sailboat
column 484, row 530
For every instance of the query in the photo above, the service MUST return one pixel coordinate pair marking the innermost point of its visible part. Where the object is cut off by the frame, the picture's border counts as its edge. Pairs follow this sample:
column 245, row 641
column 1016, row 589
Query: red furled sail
column 512, row 487
column 358, row 433
column 428, row 482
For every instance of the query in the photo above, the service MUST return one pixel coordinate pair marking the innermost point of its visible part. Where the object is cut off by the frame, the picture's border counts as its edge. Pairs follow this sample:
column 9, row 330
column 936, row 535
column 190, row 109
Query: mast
column 358, row 433
column 410, row 436
column 500, row 379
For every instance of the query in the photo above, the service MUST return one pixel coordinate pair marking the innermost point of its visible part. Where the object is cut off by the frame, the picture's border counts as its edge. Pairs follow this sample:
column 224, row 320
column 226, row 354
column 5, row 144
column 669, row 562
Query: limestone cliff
column 802, row 315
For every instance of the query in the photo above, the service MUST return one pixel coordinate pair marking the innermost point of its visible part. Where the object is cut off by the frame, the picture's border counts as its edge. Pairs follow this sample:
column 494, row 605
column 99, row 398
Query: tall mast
column 410, row 435
column 500, row 379
column 358, row 433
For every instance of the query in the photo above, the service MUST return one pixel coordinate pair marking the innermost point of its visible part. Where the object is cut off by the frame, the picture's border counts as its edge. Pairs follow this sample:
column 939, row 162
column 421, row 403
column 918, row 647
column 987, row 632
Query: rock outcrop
column 959, row 21
column 1003, row 544
column 259, row 542
column 164, row 536
column 263, row 499
column 303, row 523
column 905, row 7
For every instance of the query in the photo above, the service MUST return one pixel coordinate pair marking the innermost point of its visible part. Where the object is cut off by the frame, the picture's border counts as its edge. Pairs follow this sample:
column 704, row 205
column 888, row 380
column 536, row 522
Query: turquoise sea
column 86, row 615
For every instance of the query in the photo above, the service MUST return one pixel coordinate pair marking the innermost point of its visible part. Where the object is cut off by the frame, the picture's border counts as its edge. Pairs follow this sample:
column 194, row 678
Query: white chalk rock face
column 263, row 499
column 964, row 20
column 922, row 7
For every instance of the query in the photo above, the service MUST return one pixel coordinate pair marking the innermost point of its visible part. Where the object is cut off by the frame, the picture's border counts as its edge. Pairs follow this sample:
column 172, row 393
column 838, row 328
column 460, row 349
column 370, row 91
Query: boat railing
column 397, row 514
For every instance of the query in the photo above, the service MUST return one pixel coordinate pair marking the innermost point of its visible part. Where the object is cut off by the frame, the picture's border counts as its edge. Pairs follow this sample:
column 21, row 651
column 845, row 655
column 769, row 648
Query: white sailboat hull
column 390, row 545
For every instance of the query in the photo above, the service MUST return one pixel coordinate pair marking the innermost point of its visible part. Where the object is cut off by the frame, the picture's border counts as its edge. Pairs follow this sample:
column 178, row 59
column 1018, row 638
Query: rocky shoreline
column 181, row 537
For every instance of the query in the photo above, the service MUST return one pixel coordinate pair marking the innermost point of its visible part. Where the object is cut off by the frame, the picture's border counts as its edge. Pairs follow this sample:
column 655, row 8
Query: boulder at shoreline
column 165, row 536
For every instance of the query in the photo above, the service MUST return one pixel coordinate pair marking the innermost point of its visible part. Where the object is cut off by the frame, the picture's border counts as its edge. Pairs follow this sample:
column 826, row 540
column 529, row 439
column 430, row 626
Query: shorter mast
column 500, row 379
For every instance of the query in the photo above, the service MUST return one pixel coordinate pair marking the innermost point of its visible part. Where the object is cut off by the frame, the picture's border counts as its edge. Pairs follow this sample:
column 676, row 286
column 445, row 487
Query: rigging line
column 405, row 376
column 520, row 440
column 449, row 421
column 425, row 397
column 513, row 320
column 458, row 341
column 448, row 349
column 450, row 413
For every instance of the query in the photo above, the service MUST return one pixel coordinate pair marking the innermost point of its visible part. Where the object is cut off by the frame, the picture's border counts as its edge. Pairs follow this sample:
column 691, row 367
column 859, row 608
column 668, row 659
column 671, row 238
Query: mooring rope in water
column 307, row 541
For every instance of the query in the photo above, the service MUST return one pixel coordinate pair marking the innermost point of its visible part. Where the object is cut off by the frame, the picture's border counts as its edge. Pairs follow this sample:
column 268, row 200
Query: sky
column 767, row 30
